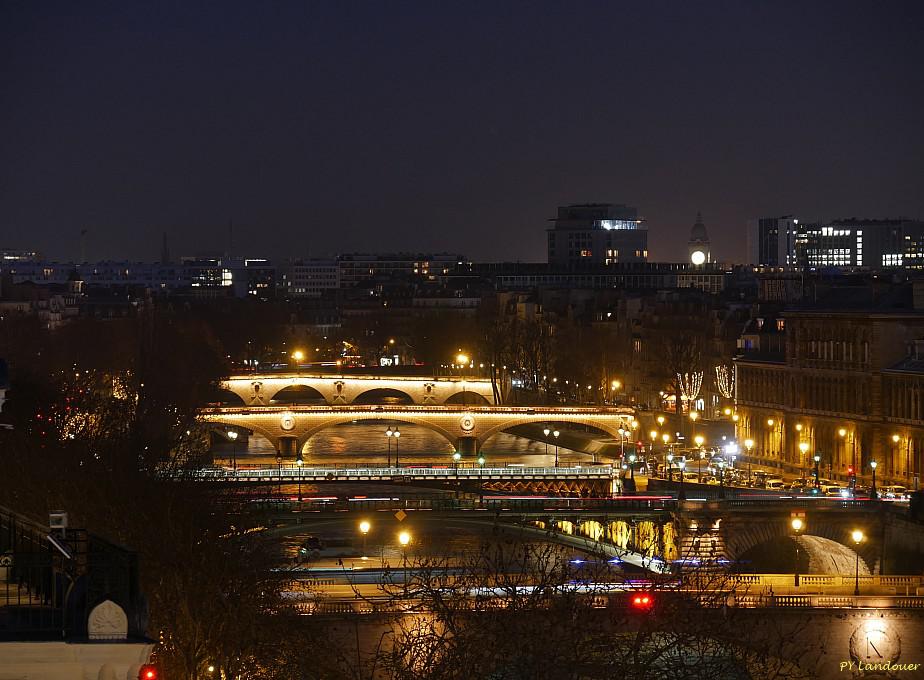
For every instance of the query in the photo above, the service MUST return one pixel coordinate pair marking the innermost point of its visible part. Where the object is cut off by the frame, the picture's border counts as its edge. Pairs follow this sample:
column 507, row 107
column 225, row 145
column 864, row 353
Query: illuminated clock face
column 875, row 642
column 697, row 257
column 467, row 423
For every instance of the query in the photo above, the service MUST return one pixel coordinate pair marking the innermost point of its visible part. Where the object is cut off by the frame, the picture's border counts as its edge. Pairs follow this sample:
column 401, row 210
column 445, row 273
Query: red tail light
column 148, row 672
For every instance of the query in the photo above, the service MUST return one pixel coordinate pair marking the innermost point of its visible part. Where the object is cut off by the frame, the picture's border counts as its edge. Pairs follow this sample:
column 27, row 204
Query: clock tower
column 698, row 245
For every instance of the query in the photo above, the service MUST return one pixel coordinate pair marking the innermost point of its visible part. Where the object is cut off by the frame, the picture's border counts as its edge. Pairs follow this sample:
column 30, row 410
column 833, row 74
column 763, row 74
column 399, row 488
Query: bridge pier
column 287, row 447
column 467, row 446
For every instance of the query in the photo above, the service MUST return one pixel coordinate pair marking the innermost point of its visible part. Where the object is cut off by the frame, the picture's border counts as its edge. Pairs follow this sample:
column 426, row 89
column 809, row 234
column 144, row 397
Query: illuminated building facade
column 850, row 384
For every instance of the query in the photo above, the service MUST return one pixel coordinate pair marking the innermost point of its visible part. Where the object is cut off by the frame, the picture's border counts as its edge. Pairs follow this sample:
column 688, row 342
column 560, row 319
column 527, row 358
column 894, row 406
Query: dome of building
column 698, row 232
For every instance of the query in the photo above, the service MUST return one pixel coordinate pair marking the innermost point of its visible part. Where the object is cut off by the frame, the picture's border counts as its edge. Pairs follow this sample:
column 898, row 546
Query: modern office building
column 600, row 233
column 310, row 278
column 354, row 268
column 874, row 244
column 771, row 241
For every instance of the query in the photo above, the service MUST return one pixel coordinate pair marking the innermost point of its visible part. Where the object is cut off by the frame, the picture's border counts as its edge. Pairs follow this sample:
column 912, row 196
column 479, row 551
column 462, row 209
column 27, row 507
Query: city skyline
column 322, row 130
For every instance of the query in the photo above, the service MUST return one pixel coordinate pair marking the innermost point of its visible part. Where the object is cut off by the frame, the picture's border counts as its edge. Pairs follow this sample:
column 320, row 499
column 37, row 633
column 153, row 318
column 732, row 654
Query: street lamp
column 682, row 464
column 693, row 416
column 666, row 439
column 389, row 433
column 364, row 527
column 721, row 479
column 670, row 467
column 797, row 525
column 298, row 463
column 462, row 359
column 396, row 435
column 456, row 457
column 404, row 538
column 631, row 466
column 232, row 435
column 803, row 447
column 842, row 433
column 653, row 434
column 546, row 432
column 660, row 420
column 817, row 460
column 555, row 434
column 622, row 442
column 857, row 537
column 872, row 491
column 749, row 444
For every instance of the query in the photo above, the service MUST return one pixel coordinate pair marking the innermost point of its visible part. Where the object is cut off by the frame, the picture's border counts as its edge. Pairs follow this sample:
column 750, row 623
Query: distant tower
column 699, row 243
column 164, row 251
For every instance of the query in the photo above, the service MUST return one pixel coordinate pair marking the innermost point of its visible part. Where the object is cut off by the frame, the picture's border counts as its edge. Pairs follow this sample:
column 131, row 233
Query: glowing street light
column 404, row 538
column 797, row 524
column 857, row 537
column 232, row 435
column 364, row 527
column 555, row 434
column 298, row 355
column 660, row 421
column 872, row 492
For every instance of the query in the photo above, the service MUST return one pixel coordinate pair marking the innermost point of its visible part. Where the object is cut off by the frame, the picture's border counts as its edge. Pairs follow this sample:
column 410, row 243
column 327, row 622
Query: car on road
column 775, row 484
column 894, row 493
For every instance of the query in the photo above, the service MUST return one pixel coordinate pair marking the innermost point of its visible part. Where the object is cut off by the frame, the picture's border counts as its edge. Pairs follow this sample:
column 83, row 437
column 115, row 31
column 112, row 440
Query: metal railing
column 51, row 580
column 294, row 473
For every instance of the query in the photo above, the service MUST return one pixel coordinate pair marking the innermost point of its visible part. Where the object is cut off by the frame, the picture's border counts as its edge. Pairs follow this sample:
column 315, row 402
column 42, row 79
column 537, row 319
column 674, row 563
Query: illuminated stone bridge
column 288, row 428
column 341, row 390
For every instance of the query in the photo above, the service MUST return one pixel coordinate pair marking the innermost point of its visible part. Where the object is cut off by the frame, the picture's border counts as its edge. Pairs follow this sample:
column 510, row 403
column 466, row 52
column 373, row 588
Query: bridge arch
column 298, row 394
column 221, row 426
column 467, row 398
column 340, row 419
column 383, row 395
column 608, row 428
column 742, row 537
column 226, row 397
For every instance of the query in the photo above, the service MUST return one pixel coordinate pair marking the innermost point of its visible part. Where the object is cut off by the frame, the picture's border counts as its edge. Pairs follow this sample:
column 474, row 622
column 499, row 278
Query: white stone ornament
column 287, row 422
column 467, row 423
column 107, row 621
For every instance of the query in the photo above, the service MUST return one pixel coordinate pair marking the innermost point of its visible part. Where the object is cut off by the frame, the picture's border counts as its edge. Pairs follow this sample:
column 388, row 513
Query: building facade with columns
column 848, row 385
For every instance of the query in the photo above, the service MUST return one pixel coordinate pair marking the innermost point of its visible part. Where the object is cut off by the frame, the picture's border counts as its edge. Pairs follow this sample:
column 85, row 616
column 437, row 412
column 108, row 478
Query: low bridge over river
column 659, row 530
column 288, row 428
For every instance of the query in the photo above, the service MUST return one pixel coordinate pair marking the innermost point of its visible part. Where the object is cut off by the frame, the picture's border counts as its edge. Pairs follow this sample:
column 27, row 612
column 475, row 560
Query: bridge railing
column 487, row 503
column 302, row 473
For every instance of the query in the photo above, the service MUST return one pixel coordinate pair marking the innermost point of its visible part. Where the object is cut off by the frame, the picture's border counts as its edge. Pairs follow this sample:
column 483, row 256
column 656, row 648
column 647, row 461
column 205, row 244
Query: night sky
column 333, row 127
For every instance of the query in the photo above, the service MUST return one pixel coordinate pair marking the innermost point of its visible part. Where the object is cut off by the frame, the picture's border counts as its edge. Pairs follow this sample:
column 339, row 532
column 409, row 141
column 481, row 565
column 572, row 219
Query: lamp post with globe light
column 872, row 491
column 232, row 435
column 803, row 447
column 797, row 525
column 682, row 464
column 404, row 538
column 555, row 434
column 463, row 361
column 364, row 527
column 817, row 460
column 298, row 464
column 749, row 444
column 857, row 537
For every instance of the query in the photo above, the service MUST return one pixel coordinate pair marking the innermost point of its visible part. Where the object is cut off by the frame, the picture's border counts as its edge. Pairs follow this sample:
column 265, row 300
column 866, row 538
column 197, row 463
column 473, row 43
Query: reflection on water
column 430, row 539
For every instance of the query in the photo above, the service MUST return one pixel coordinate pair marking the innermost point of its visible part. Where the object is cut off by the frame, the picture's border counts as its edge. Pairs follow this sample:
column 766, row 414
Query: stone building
column 849, row 384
